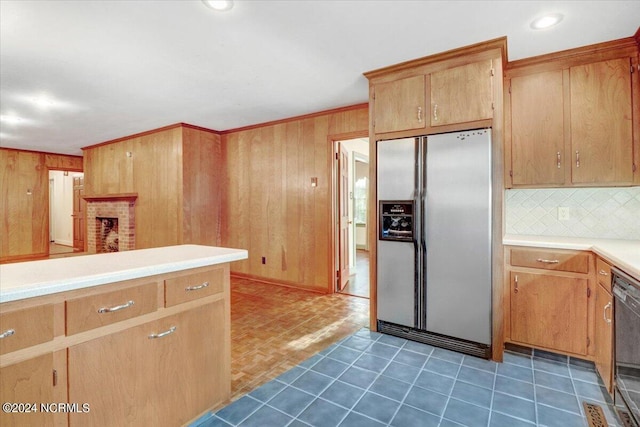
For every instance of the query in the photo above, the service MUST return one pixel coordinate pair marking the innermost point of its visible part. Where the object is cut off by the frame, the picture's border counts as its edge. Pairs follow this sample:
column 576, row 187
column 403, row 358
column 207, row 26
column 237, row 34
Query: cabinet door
column 462, row 94
column 194, row 364
column 161, row 373
column 549, row 311
column 601, row 122
column 400, row 105
column 604, row 336
column 28, row 382
column 537, row 129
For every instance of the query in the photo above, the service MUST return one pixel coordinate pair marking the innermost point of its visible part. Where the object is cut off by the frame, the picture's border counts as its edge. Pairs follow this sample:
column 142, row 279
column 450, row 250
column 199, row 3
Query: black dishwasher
column 626, row 292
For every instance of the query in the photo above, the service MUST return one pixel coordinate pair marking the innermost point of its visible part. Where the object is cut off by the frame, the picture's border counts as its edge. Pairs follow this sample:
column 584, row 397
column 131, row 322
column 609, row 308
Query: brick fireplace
column 111, row 222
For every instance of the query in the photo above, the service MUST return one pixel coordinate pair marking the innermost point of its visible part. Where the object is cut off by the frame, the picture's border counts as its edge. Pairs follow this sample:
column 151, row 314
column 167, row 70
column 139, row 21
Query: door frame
column 332, row 141
column 49, row 213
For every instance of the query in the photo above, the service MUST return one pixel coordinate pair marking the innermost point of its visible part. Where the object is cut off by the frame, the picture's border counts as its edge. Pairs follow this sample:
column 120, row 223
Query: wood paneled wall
column 269, row 205
column 24, row 201
column 176, row 173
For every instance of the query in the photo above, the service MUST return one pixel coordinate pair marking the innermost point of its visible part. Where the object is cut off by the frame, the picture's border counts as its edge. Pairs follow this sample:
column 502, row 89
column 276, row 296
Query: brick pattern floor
column 274, row 328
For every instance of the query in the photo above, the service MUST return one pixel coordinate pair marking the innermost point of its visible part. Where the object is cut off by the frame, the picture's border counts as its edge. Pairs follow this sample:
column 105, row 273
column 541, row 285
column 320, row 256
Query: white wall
column 61, row 208
column 607, row 213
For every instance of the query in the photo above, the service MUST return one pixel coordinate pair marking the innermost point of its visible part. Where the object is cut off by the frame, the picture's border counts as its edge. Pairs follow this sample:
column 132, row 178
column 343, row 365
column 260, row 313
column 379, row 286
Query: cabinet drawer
column 93, row 311
column 26, row 327
column 576, row 262
column 603, row 273
column 193, row 286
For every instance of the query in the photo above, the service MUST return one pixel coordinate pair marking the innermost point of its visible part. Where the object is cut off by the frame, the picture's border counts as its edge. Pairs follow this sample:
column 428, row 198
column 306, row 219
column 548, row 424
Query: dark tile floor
column 369, row 379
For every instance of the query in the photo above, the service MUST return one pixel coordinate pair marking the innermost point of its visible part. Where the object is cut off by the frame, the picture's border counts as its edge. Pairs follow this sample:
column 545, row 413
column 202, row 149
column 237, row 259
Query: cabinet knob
column 195, row 288
column 7, row 333
column 604, row 312
column 420, row 114
column 515, row 280
column 163, row 334
column 602, row 273
column 116, row 308
column 435, row 112
column 577, row 159
column 558, row 159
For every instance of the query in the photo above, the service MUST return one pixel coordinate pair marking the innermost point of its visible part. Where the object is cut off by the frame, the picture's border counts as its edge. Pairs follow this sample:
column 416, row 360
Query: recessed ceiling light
column 219, row 5
column 546, row 21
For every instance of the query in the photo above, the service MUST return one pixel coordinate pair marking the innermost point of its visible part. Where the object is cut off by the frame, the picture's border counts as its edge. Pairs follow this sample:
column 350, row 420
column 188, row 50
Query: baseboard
column 62, row 242
column 278, row 283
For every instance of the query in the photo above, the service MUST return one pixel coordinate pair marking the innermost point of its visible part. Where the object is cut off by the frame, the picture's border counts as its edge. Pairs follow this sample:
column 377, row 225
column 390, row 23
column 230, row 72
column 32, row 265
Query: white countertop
column 624, row 254
column 36, row 278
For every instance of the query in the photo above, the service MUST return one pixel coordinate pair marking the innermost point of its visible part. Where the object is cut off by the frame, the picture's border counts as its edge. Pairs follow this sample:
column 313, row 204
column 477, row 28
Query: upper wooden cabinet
column 400, row 105
column 537, row 138
column 570, row 117
column 462, row 94
column 454, row 90
column 601, row 122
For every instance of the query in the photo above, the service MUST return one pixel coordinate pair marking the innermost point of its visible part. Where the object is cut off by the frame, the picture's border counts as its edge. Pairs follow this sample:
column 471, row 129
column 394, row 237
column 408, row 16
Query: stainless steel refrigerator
column 434, row 240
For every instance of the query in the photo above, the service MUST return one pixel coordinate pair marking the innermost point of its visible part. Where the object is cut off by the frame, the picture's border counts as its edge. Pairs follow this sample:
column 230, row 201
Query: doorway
column 66, row 213
column 352, row 211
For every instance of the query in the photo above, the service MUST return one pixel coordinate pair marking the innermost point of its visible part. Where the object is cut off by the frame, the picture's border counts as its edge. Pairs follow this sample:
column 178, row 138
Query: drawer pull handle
column 516, row 283
column 7, row 333
column 548, row 261
column 603, row 273
column 604, row 312
column 163, row 334
column 116, row 308
column 195, row 288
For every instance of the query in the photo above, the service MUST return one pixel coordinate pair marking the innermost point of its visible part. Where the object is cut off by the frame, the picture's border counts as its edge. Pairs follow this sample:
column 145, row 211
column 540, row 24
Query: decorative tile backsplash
column 608, row 213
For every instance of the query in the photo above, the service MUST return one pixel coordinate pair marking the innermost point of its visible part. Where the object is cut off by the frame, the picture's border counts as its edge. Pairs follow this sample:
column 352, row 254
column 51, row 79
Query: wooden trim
column 22, row 258
column 373, row 215
column 636, row 36
column 615, row 48
column 498, row 220
column 110, row 197
column 40, row 152
column 282, row 283
column 149, row 132
column 499, row 43
column 296, row 118
column 635, row 112
column 331, row 140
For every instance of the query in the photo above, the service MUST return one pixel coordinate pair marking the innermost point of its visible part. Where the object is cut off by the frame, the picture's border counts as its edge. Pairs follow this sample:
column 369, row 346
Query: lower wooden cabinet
column 604, row 325
column 159, row 373
column 29, row 382
column 153, row 361
column 549, row 311
column 549, row 303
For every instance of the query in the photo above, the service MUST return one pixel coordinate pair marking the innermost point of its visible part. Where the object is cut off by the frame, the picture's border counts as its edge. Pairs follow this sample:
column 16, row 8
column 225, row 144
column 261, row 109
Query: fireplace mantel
column 111, row 197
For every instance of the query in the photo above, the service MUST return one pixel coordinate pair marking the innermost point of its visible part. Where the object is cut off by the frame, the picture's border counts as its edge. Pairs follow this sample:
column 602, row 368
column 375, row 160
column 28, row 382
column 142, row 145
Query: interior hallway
column 274, row 328
column 359, row 280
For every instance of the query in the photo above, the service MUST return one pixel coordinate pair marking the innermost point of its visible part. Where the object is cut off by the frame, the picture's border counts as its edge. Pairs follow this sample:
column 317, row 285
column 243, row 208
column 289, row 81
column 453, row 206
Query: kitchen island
column 129, row 338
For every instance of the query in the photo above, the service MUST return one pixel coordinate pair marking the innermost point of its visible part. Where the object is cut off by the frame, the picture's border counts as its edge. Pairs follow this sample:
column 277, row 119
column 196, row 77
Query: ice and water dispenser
column 396, row 220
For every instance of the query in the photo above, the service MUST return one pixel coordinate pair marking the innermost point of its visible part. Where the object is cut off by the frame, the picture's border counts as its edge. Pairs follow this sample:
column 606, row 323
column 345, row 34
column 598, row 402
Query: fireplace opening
column 108, row 238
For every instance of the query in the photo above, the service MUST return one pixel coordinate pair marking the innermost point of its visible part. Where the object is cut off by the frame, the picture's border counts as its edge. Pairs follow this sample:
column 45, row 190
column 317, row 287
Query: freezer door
column 396, row 271
column 396, row 169
column 457, row 214
column 396, row 278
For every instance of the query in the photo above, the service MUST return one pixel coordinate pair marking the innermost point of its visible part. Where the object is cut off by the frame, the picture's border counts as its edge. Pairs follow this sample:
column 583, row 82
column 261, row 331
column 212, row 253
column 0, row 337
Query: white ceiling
column 115, row 68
